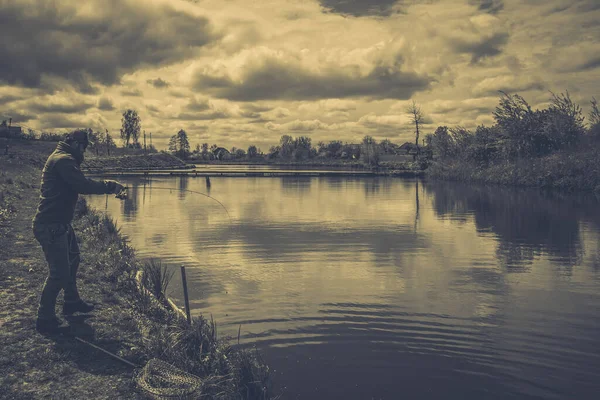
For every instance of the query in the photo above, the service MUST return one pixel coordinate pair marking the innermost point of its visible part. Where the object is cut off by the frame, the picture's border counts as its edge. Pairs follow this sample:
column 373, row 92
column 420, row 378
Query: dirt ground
column 33, row 366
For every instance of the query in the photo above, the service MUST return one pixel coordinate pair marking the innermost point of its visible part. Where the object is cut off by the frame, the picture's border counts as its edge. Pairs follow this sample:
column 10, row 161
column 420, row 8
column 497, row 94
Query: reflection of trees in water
column 373, row 186
column 182, row 185
column 296, row 184
column 596, row 262
column 527, row 222
column 129, row 206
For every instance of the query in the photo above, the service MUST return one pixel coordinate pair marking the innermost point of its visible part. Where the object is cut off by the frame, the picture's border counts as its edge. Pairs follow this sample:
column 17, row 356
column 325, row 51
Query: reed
column 156, row 278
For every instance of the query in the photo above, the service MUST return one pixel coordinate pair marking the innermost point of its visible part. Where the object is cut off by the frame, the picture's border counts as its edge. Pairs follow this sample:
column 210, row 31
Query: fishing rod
column 123, row 195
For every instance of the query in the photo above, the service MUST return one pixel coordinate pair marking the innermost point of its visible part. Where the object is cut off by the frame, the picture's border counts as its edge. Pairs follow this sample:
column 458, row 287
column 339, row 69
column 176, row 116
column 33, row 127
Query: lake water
column 385, row 288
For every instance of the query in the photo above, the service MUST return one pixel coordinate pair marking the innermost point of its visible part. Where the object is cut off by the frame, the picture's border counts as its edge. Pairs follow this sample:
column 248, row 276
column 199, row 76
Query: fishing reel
column 122, row 195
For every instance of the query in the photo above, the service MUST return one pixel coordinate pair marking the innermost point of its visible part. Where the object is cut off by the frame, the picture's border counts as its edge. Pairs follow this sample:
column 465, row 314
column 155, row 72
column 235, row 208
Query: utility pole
column 144, row 142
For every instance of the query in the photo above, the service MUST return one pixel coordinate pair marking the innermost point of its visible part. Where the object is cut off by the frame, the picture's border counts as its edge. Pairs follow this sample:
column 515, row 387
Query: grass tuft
column 156, row 278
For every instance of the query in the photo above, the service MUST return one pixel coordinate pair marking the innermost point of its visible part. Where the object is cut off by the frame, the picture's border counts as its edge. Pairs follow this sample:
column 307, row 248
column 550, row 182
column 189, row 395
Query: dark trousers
column 62, row 254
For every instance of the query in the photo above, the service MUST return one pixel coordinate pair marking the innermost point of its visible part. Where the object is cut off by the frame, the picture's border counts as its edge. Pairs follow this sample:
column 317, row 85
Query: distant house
column 221, row 153
column 13, row 131
column 408, row 148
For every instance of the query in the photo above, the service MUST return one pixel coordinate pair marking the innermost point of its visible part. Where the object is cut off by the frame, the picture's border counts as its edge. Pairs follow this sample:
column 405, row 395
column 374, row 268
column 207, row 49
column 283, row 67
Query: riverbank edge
column 227, row 372
column 125, row 322
column 568, row 172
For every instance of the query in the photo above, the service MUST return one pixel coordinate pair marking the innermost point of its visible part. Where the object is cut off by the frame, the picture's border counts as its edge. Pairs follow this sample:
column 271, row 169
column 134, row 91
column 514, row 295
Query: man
column 62, row 182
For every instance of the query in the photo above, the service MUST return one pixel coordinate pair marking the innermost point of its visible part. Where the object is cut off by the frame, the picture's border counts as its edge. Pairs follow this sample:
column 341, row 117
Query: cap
column 80, row 135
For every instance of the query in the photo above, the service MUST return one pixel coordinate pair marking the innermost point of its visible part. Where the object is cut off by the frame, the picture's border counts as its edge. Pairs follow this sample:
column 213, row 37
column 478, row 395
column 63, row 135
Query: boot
column 77, row 306
column 48, row 326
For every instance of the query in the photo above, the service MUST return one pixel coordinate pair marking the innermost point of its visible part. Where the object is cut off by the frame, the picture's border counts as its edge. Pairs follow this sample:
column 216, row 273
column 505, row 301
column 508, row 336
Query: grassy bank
column 569, row 171
column 127, row 322
column 128, row 162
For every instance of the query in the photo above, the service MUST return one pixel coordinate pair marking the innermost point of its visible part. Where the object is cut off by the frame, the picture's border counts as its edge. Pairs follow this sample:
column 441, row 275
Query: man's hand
column 118, row 187
column 122, row 195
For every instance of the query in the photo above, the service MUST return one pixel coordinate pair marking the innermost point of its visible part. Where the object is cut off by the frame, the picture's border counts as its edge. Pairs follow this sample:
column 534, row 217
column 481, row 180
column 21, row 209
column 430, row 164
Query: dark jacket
column 62, row 181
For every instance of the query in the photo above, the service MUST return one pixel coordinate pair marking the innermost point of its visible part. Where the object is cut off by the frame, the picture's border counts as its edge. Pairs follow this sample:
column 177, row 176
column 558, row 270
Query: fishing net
column 162, row 380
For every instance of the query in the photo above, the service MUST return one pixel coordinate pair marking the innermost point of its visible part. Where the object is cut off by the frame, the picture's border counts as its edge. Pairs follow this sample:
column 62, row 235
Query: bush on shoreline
column 550, row 148
column 571, row 171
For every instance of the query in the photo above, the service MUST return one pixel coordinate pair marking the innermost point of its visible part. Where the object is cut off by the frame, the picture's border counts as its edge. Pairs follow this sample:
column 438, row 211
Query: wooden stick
column 185, row 295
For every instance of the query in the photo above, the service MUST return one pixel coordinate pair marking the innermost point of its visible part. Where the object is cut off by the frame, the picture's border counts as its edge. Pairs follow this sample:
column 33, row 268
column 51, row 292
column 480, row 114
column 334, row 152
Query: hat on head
column 80, row 135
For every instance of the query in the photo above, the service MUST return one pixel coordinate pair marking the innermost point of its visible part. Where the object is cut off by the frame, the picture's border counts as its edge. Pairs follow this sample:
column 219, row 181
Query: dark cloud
column 588, row 5
column 197, row 105
column 185, row 116
column 359, row 8
column 591, row 63
column 56, row 40
column 132, row 92
column 274, row 79
column 485, row 46
column 105, row 104
column 8, row 98
column 152, row 108
column 17, row 116
column 52, row 107
column 158, row 83
column 489, row 6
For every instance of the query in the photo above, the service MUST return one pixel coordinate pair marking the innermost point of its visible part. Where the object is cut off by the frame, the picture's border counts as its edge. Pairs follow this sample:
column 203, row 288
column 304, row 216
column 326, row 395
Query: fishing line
column 193, row 191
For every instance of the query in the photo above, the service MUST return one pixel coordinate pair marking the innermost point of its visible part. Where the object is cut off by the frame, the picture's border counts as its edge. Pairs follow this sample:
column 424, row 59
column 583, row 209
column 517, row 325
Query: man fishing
column 62, row 182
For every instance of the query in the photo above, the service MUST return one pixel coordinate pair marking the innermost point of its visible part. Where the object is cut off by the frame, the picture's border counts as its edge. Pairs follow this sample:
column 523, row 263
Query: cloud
column 9, row 98
column 179, row 93
column 58, row 105
column 276, row 113
column 298, row 125
column 477, row 105
column 489, row 6
column 69, row 121
column 152, row 108
column 196, row 104
column 482, row 35
column 338, row 114
column 508, row 83
column 204, row 109
column 105, row 104
column 374, row 121
column 263, row 73
column 95, row 42
column 132, row 92
column 328, row 105
column 359, row 8
column 578, row 57
column 158, row 83
column 17, row 116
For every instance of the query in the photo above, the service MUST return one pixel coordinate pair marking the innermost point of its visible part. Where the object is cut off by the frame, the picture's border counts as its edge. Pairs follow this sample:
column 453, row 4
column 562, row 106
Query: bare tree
column 416, row 116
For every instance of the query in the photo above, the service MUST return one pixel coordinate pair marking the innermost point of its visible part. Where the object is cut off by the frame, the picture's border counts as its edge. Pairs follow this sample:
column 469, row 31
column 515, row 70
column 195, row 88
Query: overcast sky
column 239, row 72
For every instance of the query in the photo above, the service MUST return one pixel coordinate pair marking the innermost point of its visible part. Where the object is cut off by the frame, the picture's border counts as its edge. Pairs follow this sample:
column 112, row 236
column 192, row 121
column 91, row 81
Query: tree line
column 519, row 131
